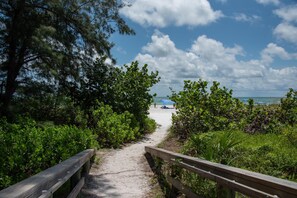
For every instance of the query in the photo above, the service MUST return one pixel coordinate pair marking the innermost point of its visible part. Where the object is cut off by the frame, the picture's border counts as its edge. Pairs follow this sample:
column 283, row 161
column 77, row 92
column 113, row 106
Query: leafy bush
column 124, row 89
column 27, row 148
column 131, row 89
column 291, row 133
column 289, row 108
column 112, row 128
column 42, row 103
column 270, row 119
column 264, row 119
column 150, row 125
column 200, row 111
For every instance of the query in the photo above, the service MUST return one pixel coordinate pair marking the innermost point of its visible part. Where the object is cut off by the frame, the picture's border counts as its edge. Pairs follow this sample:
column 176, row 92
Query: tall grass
column 271, row 154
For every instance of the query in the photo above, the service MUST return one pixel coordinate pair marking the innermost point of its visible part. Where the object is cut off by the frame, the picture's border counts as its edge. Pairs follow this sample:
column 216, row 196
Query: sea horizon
column 258, row 100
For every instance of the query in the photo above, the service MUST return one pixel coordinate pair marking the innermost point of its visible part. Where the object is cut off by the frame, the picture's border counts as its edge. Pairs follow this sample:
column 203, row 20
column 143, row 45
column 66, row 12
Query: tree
column 131, row 91
column 53, row 39
column 95, row 85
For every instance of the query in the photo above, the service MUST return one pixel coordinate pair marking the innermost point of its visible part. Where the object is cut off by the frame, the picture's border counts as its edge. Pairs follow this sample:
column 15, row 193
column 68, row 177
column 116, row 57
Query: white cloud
column 266, row 2
column 161, row 45
column 286, row 32
column 272, row 50
column 210, row 60
column 222, row 1
column 171, row 12
column 244, row 18
column 289, row 14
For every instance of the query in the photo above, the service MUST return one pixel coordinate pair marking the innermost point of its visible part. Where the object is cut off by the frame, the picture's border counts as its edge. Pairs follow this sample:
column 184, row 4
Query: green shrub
column 289, row 108
column 43, row 106
column 200, row 111
column 113, row 129
column 264, row 119
column 27, row 148
column 291, row 133
column 150, row 125
column 131, row 89
column 213, row 146
column 201, row 186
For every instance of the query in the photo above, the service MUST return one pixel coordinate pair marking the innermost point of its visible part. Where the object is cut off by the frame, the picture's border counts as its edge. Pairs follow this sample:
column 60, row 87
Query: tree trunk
column 14, row 62
column 10, row 87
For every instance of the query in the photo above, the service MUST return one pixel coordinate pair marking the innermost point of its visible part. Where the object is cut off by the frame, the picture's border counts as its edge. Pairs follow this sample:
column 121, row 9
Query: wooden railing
column 228, row 178
column 69, row 175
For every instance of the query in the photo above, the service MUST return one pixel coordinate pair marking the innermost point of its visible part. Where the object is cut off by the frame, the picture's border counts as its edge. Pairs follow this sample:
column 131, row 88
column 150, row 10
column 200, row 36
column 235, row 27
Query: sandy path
column 122, row 173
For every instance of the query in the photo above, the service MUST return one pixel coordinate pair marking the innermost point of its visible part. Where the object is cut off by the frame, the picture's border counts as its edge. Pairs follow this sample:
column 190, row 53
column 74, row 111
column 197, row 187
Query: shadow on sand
column 98, row 186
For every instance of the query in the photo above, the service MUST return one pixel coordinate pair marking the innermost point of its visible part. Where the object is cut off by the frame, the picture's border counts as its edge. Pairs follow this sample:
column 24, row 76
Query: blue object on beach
column 167, row 102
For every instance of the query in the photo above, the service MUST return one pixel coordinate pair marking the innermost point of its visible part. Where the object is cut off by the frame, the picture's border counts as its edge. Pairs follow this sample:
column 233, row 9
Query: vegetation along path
column 122, row 172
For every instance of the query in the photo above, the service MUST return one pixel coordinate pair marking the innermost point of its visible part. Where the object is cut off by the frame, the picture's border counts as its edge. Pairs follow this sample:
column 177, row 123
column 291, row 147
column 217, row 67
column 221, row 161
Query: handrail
column 235, row 179
column 47, row 182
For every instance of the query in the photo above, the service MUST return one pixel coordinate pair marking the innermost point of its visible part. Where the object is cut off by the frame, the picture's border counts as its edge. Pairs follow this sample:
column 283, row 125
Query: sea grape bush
column 28, row 148
column 200, row 111
column 131, row 92
column 150, row 125
column 114, row 129
column 291, row 133
column 289, row 108
column 227, row 112
column 263, row 119
column 272, row 118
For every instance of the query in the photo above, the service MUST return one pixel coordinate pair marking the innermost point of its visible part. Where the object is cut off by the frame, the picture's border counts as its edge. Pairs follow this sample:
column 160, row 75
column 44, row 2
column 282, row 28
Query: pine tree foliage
column 54, row 40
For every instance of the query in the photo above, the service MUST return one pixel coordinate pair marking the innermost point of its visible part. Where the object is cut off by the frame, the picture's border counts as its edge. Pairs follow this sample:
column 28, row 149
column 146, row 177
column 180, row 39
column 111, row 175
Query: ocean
column 257, row 100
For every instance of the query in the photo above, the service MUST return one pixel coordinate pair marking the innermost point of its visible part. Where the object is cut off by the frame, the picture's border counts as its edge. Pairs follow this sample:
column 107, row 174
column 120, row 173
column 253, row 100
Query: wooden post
column 86, row 168
column 224, row 192
column 173, row 173
column 75, row 179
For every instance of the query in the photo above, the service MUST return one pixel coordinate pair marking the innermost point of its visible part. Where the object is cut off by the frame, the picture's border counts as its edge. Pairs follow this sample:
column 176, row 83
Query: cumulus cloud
column 160, row 46
column 245, row 18
column 171, row 12
column 289, row 14
column 287, row 32
column 210, row 60
column 272, row 50
column 266, row 2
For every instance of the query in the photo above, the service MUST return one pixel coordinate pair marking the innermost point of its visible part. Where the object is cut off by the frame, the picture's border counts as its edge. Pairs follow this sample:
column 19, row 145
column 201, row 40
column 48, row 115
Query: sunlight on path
column 122, row 171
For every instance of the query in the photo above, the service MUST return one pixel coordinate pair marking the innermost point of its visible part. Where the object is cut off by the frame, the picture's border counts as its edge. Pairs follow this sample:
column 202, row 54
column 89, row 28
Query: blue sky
column 249, row 46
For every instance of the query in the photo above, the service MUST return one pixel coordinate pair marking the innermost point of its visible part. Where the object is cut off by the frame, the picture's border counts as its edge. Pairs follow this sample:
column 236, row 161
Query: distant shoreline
column 257, row 100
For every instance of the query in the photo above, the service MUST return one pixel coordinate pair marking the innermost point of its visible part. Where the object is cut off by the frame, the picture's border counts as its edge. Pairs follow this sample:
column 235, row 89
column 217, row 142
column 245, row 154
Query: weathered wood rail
column 229, row 178
column 46, row 183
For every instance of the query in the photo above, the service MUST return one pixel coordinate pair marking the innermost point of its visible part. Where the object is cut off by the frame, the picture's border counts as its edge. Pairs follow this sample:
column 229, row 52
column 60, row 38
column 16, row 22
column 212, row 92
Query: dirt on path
column 122, row 172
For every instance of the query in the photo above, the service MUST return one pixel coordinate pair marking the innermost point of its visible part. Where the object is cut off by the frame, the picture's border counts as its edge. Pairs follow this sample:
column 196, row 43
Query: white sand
column 122, row 173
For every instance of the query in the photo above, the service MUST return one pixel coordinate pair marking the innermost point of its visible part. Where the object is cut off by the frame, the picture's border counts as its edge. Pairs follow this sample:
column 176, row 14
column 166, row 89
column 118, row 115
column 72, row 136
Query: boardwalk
column 122, row 173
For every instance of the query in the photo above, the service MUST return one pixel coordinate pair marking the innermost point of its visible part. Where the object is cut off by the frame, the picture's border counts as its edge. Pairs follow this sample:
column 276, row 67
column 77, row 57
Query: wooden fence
column 228, row 179
column 69, row 175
